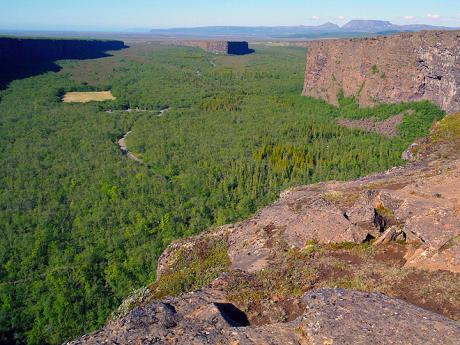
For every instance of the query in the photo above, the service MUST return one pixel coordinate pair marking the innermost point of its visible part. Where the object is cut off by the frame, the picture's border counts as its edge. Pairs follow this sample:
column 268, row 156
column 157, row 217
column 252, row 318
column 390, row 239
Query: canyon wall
column 25, row 57
column 400, row 68
column 220, row 47
column 14, row 49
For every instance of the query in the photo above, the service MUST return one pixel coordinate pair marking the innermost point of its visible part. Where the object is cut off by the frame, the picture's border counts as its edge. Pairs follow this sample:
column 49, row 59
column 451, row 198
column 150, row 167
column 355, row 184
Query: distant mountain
column 369, row 26
column 324, row 27
column 375, row 26
column 354, row 28
column 421, row 27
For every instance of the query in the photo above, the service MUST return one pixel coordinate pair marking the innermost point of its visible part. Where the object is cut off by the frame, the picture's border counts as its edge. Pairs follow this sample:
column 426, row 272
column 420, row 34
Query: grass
column 448, row 130
column 85, row 97
column 193, row 268
column 444, row 138
column 384, row 212
column 341, row 199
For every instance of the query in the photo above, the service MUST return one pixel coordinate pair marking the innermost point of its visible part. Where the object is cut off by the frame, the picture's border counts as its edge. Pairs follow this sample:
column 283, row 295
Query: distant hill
column 376, row 26
column 353, row 28
column 369, row 26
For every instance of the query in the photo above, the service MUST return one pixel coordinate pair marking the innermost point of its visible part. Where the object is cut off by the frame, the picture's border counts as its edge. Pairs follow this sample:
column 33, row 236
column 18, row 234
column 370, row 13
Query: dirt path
column 124, row 149
column 165, row 110
column 137, row 110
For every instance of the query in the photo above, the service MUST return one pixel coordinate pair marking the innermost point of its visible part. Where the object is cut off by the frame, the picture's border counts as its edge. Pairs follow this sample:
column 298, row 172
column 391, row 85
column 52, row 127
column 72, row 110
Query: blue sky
column 132, row 14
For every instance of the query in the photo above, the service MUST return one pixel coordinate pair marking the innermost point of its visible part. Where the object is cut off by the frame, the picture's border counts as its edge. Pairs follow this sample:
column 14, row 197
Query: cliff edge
column 400, row 68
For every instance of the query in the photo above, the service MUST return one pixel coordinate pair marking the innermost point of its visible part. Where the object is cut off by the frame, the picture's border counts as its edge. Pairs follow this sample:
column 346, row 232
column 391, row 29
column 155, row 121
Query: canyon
column 374, row 260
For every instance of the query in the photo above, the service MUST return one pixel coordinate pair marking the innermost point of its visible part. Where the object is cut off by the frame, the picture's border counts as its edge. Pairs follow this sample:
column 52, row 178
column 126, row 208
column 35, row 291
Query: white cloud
column 409, row 17
column 433, row 16
column 341, row 17
column 315, row 18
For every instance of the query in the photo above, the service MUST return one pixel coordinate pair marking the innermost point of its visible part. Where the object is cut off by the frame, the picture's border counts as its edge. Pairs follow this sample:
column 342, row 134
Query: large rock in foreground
column 401, row 68
column 331, row 316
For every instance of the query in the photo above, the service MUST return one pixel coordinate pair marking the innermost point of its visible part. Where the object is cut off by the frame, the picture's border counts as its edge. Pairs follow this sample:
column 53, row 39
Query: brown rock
column 331, row 316
column 399, row 68
column 338, row 316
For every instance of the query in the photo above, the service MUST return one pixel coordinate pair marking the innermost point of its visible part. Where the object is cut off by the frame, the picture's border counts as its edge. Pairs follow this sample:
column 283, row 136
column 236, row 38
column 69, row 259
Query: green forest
column 82, row 225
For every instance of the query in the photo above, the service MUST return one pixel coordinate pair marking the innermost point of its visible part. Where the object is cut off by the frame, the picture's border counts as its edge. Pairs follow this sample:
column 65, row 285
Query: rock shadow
column 26, row 57
column 239, row 48
column 234, row 316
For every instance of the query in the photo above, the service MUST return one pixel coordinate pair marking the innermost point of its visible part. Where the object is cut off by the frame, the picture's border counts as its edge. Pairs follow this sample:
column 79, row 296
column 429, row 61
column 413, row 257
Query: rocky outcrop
column 220, row 47
column 330, row 316
column 400, row 68
column 421, row 200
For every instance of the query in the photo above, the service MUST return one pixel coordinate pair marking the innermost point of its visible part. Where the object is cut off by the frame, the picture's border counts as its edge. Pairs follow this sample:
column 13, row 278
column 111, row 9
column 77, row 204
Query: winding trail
column 122, row 141
column 165, row 110
column 124, row 149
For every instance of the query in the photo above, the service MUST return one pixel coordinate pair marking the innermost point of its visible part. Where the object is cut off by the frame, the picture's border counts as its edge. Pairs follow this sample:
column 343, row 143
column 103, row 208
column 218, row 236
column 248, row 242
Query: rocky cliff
column 370, row 261
column 399, row 68
column 25, row 57
column 220, row 47
column 14, row 49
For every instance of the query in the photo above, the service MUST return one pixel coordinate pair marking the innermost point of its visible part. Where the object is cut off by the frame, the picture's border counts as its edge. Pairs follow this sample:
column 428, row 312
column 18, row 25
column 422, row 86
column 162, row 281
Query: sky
column 121, row 15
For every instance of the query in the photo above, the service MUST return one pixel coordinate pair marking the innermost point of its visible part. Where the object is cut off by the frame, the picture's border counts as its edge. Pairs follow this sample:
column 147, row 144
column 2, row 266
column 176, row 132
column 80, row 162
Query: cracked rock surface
column 331, row 316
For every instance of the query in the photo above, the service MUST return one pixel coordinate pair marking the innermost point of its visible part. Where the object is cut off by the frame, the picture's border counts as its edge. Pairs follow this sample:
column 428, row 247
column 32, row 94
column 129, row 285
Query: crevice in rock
column 369, row 238
column 234, row 316
column 379, row 221
column 435, row 77
column 170, row 307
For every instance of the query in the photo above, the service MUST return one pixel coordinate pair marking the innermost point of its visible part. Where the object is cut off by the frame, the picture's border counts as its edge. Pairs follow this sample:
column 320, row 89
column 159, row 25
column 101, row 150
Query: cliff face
column 22, row 58
column 220, row 47
column 14, row 49
column 400, row 68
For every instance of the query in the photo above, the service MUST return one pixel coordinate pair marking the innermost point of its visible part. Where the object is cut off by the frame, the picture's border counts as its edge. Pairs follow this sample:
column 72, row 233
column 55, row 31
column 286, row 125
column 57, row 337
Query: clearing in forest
column 84, row 97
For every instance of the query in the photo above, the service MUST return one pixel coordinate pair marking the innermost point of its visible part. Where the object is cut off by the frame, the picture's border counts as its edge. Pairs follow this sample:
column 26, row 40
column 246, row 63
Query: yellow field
column 84, row 97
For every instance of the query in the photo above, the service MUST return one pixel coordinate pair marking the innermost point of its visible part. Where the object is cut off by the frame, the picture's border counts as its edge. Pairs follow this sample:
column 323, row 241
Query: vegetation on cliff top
column 83, row 226
column 193, row 268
